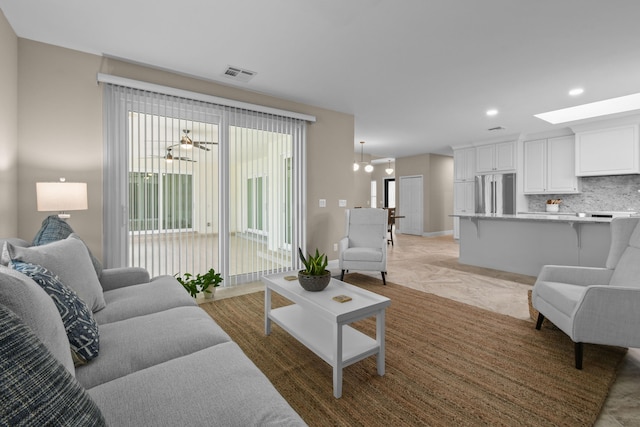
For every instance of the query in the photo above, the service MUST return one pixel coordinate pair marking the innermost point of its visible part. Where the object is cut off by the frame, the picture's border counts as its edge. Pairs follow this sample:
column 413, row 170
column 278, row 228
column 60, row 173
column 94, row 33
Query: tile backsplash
column 599, row 193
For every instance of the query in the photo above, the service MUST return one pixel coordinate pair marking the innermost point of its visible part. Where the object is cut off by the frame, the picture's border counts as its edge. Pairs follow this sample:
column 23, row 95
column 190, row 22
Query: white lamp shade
column 369, row 168
column 61, row 196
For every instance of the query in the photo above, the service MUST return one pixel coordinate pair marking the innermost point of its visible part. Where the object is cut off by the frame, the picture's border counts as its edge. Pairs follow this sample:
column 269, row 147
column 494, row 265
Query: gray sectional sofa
column 162, row 361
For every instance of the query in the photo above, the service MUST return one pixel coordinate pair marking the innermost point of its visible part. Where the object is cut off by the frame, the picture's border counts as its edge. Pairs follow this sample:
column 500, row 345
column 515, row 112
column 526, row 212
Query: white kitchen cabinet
column 464, row 197
column 500, row 157
column 463, row 202
column 561, row 176
column 535, row 166
column 549, row 166
column 464, row 164
column 608, row 151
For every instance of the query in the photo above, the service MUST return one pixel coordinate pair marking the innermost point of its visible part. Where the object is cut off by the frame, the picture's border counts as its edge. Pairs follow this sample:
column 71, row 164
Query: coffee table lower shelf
column 317, row 334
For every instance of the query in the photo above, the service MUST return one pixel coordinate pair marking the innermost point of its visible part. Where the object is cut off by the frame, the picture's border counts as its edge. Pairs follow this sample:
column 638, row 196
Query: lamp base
column 64, row 215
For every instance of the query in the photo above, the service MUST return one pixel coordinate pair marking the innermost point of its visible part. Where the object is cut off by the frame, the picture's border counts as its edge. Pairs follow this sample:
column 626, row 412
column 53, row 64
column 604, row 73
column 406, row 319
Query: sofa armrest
column 608, row 315
column 582, row 276
column 114, row 278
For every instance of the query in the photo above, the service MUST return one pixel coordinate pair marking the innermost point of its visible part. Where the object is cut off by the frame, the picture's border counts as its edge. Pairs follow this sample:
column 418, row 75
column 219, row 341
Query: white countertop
column 537, row 216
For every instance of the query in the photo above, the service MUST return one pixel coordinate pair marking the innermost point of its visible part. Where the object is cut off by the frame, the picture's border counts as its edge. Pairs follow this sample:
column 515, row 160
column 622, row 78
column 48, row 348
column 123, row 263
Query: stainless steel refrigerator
column 496, row 193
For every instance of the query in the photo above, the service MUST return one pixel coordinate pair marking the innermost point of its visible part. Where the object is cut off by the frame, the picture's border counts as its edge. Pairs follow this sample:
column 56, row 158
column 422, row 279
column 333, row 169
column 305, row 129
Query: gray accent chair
column 596, row 305
column 364, row 246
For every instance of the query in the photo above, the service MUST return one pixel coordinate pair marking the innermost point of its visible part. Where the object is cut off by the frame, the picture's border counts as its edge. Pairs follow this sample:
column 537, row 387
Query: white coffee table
column 320, row 323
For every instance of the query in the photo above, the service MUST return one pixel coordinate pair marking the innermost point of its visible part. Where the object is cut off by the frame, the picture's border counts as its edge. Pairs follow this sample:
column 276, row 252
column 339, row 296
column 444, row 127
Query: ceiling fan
column 187, row 143
column 170, row 157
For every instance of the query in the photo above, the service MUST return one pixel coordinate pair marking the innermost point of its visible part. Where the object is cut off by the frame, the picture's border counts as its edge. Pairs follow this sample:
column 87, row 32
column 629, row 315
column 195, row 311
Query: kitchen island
column 523, row 243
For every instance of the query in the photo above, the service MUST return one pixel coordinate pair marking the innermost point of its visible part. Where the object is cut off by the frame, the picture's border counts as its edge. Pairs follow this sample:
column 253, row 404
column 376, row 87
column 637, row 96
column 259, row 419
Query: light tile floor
column 431, row 265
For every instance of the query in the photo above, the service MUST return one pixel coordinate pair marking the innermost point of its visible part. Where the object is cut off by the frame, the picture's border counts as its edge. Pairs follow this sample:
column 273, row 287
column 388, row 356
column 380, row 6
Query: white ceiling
column 418, row 75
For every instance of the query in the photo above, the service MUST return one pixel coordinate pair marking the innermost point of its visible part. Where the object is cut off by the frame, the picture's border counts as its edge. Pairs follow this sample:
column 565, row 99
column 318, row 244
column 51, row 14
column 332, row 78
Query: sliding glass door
column 204, row 186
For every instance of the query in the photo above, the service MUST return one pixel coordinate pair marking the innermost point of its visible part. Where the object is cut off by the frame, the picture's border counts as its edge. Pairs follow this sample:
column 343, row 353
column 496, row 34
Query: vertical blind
column 191, row 185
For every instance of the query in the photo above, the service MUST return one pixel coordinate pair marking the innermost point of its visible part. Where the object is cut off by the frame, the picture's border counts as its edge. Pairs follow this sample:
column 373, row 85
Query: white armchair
column 596, row 305
column 364, row 246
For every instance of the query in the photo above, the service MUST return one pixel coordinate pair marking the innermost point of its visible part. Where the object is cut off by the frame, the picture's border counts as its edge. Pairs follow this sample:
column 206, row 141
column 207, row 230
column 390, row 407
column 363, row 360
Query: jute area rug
column 447, row 364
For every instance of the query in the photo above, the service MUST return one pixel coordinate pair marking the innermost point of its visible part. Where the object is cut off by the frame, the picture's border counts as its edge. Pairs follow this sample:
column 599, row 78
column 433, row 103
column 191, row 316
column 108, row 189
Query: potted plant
column 201, row 283
column 315, row 276
column 553, row 205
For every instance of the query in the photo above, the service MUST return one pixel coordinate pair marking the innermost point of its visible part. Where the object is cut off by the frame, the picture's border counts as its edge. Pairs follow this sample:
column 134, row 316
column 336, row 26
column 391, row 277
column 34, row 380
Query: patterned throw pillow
column 55, row 228
column 79, row 324
column 36, row 389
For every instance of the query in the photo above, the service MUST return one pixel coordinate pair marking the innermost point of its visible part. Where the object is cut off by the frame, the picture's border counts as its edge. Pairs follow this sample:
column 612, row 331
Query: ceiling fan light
column 185, row 141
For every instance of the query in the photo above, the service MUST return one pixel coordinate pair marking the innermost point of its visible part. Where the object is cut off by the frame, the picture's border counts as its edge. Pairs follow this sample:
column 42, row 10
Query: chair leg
column 342, row 276
column 540, row 320
column 579, row 348
column 384, row 280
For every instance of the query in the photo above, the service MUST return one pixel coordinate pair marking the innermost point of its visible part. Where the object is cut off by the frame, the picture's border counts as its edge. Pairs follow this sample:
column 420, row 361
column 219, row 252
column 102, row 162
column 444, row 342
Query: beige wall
column 437, row 175
column 60, row 134
column 441, row 194
column 8, row 129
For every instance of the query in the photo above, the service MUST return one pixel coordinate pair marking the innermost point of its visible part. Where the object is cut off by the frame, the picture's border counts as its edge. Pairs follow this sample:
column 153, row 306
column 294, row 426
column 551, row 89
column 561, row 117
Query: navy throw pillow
column 36, row 389
column 78, row 320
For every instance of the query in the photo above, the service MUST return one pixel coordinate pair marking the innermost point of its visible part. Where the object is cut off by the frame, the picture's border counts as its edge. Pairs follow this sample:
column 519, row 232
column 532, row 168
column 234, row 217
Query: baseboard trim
column 438, row 233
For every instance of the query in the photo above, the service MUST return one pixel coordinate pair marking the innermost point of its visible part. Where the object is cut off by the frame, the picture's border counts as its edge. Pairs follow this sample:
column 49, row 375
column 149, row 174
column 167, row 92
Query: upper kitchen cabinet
column 464, row 164
column 500, row 157
column 608, row 151
column 549, row 166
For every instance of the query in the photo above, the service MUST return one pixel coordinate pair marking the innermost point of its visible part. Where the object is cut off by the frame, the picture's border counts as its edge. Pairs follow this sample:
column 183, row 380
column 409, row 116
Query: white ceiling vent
column 239, row 74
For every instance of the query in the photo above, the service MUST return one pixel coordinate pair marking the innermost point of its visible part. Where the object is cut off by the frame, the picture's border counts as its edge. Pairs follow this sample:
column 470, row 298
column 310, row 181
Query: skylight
column 593, row 109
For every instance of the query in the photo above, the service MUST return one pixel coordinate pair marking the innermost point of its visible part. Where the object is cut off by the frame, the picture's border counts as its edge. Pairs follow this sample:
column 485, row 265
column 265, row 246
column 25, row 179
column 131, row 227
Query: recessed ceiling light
column 577, row 91
column 593, row 109
column 492, row 112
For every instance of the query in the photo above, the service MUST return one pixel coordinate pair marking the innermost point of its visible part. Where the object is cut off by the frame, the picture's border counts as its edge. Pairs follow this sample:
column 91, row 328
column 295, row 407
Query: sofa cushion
column 362, row 254
column 55, row 228
column 161, row 293
column 15, row 242
column 562, row 296
column 35, row 308
column 215, row 386
column 367, row 227
column 36, row 389
column 627, row 272
column 69, row 260
column 140, row 342
column 79, row 324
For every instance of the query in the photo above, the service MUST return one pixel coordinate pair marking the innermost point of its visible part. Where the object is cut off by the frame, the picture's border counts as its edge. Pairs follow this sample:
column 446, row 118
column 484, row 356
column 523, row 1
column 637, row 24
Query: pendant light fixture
column 368, row 166
column 389, row 169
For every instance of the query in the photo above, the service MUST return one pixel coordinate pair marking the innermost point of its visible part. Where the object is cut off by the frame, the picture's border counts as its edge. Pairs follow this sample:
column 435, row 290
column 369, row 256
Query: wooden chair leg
column 540, row 320
column 384, row 280
column 579, row 349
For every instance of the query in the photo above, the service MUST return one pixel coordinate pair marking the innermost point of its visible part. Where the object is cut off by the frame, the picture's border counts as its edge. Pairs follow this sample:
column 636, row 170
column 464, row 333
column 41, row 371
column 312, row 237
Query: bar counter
column 524, row 242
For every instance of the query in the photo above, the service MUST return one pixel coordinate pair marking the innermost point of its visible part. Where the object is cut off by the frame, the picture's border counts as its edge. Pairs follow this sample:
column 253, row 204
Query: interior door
column 411, row 207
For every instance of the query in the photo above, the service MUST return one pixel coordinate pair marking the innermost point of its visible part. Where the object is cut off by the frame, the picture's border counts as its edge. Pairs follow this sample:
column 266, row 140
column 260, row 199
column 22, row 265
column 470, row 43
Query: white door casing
column 411, row 206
